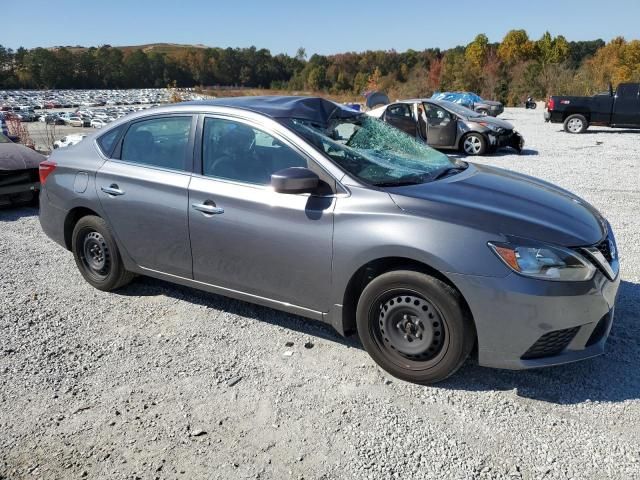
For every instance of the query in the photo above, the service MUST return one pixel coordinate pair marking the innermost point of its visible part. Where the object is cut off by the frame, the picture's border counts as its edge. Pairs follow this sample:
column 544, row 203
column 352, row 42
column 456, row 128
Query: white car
column 69, row 140
column 98, row 123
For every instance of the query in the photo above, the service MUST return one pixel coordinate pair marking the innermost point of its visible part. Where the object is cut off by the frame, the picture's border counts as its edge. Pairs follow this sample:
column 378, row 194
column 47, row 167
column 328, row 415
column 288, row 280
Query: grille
column 551, row 343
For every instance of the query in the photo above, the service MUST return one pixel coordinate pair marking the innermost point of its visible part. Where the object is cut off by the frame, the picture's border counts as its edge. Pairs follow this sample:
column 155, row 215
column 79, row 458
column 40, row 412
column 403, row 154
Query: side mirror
column 295, row 180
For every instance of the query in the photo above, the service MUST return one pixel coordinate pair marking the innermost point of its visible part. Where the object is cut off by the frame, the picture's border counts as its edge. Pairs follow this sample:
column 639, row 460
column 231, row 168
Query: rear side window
column 400, row 110
column 107, row 142
column 628, row 91
column 159, row 142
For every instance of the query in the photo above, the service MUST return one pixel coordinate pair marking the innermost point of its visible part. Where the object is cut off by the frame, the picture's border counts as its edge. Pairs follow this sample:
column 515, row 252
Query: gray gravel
column 160, row 381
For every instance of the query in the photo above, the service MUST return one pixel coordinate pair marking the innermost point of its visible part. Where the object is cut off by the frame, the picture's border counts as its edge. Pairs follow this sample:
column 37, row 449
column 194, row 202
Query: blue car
column 471, row 101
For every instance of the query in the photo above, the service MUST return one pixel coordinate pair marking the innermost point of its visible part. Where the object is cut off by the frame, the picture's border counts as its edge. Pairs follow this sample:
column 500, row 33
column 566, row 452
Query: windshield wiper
column 398, row 183
column 445, row 172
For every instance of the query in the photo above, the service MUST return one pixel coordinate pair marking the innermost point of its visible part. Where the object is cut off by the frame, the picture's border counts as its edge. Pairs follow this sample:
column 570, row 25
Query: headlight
column 545, row 262
column 492, row 127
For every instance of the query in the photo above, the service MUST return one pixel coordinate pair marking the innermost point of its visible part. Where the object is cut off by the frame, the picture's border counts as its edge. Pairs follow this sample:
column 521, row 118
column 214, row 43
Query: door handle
column 112, row 190
column 209, row 209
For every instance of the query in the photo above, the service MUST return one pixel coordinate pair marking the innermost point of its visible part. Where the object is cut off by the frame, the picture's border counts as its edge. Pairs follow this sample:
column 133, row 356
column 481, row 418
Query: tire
column 414, row 326
column 474, row 144
column 575, row 123
column 97, row 256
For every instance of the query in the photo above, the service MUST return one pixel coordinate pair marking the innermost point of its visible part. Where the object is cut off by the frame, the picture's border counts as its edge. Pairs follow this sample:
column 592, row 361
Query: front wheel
column 97, row 256
column 414, row 326
column 474, row 144
column 575, row 124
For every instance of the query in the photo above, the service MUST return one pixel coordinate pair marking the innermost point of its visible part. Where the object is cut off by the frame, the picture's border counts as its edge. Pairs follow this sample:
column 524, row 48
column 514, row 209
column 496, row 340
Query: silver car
column 309, row 207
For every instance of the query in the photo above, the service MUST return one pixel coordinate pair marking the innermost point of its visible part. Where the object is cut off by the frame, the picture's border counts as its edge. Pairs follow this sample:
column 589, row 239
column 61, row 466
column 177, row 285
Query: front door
column 441, row 126
column 627, row 106
column 144, row 193
column 247, row 237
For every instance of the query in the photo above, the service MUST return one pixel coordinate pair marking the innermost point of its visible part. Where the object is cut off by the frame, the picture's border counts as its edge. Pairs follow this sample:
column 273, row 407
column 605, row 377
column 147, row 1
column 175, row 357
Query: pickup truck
column 611, row 109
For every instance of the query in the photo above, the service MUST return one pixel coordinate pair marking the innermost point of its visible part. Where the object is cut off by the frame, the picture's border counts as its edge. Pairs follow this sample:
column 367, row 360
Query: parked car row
column 17, row 100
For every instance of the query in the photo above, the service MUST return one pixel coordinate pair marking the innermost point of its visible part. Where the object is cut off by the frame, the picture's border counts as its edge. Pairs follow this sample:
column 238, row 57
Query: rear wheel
column 414, row 326
column 575, row 124
column 474, row 144
column 97, row 256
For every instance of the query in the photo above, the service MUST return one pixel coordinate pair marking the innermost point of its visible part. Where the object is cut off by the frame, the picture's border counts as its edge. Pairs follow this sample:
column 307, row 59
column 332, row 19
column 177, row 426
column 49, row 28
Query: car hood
column 491, row 120
column 507, row 203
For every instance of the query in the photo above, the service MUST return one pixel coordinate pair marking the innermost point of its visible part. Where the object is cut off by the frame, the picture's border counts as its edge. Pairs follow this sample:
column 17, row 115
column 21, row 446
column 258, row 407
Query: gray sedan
column 449, row 126
column 309, row 207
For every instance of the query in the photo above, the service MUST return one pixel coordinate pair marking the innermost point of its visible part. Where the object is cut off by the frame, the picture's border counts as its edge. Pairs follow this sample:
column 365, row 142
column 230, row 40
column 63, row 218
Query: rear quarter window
column 108, row 141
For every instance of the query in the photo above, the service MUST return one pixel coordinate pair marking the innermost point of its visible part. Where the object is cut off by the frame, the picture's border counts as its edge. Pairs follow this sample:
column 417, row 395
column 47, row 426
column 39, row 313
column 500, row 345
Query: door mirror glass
column 295, row 180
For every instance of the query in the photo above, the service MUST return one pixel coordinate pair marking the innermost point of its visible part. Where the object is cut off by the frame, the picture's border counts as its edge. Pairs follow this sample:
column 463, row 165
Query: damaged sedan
column 19, row 176
column 448, row 126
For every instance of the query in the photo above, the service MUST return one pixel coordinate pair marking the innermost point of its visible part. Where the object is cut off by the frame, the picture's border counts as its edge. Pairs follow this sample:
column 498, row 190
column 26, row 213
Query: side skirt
column 227, row 292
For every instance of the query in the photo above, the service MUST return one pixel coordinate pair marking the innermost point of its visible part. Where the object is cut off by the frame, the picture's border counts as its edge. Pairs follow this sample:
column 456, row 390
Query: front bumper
column 526, row 323
column 511, row 139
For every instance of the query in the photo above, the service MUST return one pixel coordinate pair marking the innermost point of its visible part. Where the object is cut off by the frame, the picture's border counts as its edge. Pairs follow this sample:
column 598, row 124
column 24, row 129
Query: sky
column 324, row 27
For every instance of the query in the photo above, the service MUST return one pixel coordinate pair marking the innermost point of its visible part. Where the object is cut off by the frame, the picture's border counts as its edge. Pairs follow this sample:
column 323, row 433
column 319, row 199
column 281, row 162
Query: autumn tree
column 515, row 47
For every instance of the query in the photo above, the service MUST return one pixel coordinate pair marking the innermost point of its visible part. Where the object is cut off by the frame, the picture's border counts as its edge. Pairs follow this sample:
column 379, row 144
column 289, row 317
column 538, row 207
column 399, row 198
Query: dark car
column 449, row 126
column 611, row 109
column 472, row 101
column 54, row 120
column 19, row 178
column 310, row 207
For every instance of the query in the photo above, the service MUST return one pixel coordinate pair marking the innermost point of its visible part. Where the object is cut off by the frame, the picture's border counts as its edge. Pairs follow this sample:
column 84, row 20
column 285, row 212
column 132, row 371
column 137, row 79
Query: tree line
column 508, row 71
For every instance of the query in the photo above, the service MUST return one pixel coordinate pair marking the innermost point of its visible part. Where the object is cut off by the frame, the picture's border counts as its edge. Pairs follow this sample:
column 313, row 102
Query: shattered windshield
column 374, row 151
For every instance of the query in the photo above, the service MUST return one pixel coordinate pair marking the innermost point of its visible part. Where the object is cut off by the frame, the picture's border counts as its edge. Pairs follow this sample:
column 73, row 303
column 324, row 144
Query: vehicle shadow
column 147, row 286
column 11, row 214
column 592, row 131
column 613, row 377
column 503, row 152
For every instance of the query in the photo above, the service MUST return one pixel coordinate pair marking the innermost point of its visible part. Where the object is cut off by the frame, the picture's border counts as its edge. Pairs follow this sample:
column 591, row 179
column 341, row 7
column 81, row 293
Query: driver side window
column 235, row 151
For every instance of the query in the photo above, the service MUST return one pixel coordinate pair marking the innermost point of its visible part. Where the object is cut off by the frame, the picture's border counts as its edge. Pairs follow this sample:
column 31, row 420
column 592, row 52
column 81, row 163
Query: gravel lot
column 159, row 381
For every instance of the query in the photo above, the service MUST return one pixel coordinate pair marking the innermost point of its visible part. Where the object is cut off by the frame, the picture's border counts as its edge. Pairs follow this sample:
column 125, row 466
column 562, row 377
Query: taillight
column 46, row 168
column 551, row 105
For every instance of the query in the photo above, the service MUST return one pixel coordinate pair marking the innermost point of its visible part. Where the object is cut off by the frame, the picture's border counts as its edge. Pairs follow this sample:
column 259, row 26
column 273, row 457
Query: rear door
column 442, row 126
column 144, row 192
column 399, row 115
column 626, row 108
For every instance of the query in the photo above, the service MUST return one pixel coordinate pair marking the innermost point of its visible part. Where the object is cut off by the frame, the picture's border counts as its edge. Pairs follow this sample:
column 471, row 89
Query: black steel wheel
column 97, row 256
column 414, row 326
column 411, row 327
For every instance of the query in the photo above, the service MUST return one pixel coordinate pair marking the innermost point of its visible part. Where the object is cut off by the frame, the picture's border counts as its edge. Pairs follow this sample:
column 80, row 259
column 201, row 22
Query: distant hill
column 160, row 47
column 146, row 48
